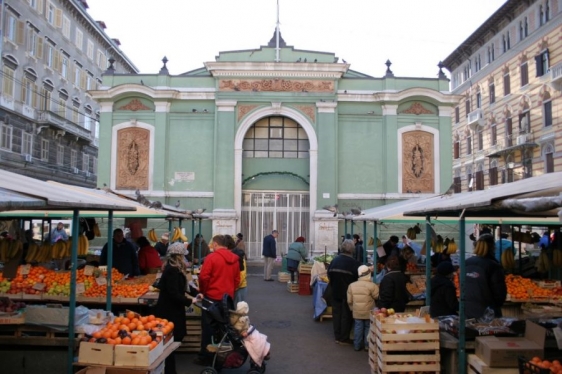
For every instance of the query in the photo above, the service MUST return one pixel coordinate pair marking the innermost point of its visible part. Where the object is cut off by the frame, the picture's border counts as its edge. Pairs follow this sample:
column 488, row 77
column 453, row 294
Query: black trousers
column 206, row 334
column 342, row 319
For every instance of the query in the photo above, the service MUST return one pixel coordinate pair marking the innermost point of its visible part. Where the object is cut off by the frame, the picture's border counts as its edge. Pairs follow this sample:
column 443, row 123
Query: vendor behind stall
column 124, row 255
column 502, row 245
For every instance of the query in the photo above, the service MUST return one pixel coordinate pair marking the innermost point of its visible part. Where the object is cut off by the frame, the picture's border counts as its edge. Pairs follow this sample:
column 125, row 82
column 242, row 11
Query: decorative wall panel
column 418, row 169
column 133, row 151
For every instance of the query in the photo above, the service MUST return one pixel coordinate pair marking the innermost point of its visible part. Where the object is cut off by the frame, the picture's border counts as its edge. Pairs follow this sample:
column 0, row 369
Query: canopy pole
column 193, row 241
column 375, row 252
column 72, row 302
column 345, row 227
column 351, row 227
column 428, row 230
column 169, row 226
column 364, row 242
column 199, row 244
column 109, row 259
column 462, row 277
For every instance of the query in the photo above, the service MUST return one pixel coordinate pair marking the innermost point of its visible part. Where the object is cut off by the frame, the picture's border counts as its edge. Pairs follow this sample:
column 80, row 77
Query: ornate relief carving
column 308, row 110
column 276, row 85
column 245, row 109
column 134, row 105
column 417, row 109
column 418, row 174
column 133, row 150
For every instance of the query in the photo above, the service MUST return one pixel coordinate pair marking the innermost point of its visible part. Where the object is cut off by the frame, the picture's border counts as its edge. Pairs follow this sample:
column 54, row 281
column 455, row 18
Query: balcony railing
column 512, row 142
column 475, row 119
column 47, row 117
column 556, row 76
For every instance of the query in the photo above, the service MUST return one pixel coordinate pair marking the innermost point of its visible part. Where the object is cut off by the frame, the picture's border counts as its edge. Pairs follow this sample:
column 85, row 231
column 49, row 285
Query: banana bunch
column 438, row 246
column 32, row 252
column 38, row 253
column 481, row 249
column 9, row 249
column 152, row 236
column 176, row 235
column 83, row 245
column 452, row 246
column 411, row 233
column 557, row 258
column 97, row 231
column 58, row 250
column 543, row 262
column 184, row 239
column 507, row 259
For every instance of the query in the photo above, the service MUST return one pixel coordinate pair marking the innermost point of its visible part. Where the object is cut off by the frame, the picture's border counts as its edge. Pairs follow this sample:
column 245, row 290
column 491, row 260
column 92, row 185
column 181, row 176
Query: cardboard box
column 136, row 355
column 503, row 352
column 12, row 318
column 114, row 370
column 95, row 353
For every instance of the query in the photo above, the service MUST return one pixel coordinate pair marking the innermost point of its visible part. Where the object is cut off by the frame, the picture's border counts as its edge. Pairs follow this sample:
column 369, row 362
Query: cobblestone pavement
column 298, row 343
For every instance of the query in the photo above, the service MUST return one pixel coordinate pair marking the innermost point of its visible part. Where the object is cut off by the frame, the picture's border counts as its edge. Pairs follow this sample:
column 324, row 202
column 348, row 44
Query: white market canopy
column 134, row 208
column 21, row 192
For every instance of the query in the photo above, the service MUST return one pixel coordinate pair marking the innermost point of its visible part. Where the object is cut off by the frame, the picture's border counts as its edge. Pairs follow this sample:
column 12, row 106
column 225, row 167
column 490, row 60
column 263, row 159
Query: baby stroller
column 227, row 344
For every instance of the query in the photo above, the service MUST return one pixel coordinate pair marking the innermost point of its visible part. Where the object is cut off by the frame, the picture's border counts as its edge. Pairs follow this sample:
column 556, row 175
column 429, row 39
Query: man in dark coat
column 392, row 291
column 269, row 253
column 124, row 255
column 444, row 300
column 358, row 255
column 485, row 280
column 341, row 273
column 390, row 247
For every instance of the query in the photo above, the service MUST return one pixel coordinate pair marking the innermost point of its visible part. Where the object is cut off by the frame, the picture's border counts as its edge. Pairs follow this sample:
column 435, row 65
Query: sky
column 413, row 34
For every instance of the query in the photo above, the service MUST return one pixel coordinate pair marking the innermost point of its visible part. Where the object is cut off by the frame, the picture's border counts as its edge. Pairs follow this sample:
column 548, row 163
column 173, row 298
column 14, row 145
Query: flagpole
column 277, row 35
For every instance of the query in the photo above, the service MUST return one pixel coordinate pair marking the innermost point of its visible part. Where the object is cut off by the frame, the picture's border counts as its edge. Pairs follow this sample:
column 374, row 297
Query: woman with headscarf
column 297, row 252
column 149, row 259
column 173, row 296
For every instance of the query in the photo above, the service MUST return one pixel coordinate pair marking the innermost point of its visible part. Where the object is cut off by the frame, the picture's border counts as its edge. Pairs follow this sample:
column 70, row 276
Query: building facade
column 53, row 52
column 508, row 73
column 266, row 138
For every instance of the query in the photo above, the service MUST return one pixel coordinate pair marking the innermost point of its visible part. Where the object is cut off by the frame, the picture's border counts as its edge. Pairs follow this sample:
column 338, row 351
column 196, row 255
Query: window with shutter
column 492, row 93
column 20, row 33
column 547, row 113
column 541, row 62
column 39, row 53
column 506, row 84
column 524, row 74
column 58, row 18
column 493, row 175
column 457, row 116
column 8, row 81
column 66, row 27
column 509, row 131
column 79, row 40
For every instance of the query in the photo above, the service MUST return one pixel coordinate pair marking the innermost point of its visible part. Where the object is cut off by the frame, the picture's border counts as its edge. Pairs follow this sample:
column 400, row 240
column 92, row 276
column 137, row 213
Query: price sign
column 39, row 286
column 80, row 288
column 89, row 270
column 25, row 269
column 101, row 281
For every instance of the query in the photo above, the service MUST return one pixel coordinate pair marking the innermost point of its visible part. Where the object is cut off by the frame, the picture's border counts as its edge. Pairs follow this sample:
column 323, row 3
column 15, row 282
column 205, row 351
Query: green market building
column 263, row 139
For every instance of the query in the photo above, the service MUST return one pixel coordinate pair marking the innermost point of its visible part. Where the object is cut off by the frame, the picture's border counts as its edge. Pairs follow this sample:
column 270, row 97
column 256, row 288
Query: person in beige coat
column 361, row 296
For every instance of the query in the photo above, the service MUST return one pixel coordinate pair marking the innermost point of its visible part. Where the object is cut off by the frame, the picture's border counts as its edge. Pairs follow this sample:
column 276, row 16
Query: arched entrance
column 280, row 192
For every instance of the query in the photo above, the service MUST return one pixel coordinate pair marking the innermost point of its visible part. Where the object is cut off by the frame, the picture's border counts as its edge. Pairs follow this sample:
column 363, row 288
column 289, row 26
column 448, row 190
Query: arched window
column 548, row 157
column 493, row 172
column 276, row 137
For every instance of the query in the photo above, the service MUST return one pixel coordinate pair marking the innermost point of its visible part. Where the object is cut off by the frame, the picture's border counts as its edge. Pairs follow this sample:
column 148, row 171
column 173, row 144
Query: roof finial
column 388, row 71
column 441, row 73
column 164, row 69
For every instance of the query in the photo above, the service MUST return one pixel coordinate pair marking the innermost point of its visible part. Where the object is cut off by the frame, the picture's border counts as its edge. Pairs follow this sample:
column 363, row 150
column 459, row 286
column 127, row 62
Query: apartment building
column 509, row 74
column 53, row 52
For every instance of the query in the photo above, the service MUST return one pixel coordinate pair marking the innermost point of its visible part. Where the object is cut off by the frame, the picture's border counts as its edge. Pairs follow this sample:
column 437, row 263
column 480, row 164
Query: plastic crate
column 526, row 367
column 304, row 285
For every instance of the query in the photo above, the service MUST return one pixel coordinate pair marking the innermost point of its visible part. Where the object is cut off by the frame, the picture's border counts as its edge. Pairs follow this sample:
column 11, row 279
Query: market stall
column 89, row 285
column 528, row 199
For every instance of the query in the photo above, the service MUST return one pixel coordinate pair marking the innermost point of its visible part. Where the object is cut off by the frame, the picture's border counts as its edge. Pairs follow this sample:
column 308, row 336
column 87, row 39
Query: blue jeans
column 361, row 333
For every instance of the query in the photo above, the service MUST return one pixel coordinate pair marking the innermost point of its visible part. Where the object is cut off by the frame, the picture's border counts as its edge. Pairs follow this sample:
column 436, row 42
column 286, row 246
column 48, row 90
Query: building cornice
column 274, row 70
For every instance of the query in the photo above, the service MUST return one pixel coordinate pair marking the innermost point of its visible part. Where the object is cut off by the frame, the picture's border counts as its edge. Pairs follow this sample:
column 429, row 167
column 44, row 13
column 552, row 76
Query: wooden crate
column 283, row 277
column 305, row 268
column 477, row 366
column 191, row 343
column 293, row 287
column 95, row 353
column 136, row 355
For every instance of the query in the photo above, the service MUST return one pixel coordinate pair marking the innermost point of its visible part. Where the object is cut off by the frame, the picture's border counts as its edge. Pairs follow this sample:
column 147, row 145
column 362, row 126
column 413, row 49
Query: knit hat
column 165, row 236
column 445, row 268
column 363, row 271
column 177, row 248
column 239, row 235
column 300, row 239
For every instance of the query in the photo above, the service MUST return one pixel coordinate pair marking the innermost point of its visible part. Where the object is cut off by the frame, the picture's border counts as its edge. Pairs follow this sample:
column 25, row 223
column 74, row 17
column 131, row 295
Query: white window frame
column 50, row 13
column 28, row 92
column 60, row 154
column 66, row 27
column 64, row 66
column 8, row 81
column 79, row 40
column 27, row 143
column 85, row 161
column 44, row 150
column 6, row 136
column 50, row 55
column 73, row 158
column 77, row 75
column 90, row 50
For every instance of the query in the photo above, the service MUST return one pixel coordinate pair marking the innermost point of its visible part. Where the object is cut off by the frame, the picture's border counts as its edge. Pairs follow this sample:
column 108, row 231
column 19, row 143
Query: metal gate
column 263, row 212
